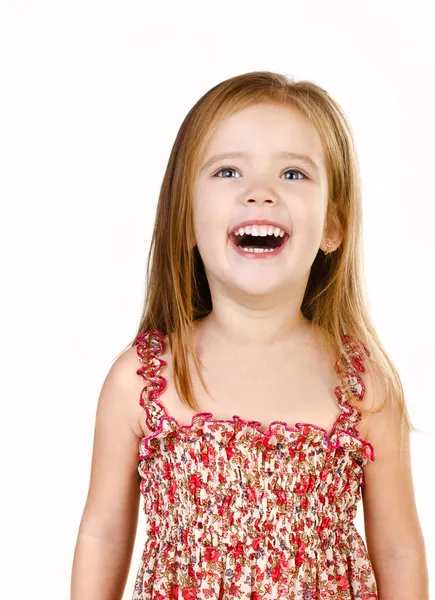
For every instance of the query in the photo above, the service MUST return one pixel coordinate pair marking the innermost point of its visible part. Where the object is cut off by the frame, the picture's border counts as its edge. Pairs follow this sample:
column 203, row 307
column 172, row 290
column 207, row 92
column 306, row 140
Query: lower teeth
column 258, row 249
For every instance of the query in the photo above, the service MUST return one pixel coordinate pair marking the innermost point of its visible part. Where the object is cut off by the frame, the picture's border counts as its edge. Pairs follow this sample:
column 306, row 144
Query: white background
column 92, row 96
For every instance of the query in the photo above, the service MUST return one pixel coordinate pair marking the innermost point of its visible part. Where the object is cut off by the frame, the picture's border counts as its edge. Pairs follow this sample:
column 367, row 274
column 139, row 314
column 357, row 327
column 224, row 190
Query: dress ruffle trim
column 150, row 347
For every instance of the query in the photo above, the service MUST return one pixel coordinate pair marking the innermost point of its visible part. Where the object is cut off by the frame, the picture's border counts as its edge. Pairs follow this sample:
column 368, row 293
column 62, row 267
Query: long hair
column 177, row 291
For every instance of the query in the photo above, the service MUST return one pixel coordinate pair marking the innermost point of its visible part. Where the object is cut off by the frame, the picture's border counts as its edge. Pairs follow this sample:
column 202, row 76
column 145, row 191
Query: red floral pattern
column 233, row 511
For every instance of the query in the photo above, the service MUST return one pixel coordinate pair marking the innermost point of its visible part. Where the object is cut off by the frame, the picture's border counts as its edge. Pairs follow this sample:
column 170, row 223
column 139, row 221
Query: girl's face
column 261, row 184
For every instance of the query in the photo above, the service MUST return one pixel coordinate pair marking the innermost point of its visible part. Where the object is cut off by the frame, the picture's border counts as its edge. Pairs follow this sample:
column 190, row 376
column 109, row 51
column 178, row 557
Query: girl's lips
column 259, row 254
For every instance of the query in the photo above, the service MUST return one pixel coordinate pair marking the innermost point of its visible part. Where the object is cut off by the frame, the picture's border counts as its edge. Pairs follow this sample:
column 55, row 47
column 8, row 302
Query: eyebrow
column 287, row 155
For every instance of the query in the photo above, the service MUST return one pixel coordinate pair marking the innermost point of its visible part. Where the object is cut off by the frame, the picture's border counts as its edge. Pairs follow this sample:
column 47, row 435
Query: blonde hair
column 177, row 292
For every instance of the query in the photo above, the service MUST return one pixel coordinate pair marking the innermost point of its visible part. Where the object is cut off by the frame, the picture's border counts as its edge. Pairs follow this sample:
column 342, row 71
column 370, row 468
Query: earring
column 328, row 243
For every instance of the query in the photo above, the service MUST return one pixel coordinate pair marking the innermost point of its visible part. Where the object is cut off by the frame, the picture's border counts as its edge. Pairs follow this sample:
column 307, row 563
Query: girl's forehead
column 265, row 126
column 264, row 131
column 263, row 115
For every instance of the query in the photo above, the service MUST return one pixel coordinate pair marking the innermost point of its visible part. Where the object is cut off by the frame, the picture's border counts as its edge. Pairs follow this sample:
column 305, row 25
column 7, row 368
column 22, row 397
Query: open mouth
column 257, row 244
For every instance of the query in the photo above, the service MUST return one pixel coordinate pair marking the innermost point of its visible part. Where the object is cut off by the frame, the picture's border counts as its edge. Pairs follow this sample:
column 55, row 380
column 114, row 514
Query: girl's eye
column 229, row 169
column 295, row 171
column 225, row 170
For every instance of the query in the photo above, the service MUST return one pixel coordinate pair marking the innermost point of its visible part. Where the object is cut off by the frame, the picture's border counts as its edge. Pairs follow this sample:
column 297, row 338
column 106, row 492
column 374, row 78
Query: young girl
column 256, row 405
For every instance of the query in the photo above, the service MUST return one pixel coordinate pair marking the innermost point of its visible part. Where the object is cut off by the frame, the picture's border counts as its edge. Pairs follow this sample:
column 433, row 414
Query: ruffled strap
column 349, row 365
column 148, row 349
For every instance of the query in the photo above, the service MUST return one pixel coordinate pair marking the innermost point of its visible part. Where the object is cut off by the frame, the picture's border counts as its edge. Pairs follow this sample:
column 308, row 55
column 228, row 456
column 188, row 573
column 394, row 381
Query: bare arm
column 108, row 526
column 394, row 536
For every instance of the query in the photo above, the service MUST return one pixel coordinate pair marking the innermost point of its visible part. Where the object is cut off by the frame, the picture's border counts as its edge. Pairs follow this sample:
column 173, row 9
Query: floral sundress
column 233, row 511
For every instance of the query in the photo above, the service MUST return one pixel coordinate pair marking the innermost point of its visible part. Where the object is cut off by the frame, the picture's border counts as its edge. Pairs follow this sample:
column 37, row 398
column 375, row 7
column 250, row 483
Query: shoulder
column 123, row 385
column 384, row 421
column 122, row 373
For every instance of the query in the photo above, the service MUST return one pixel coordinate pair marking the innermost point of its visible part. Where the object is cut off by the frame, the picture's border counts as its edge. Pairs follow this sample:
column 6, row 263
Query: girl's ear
column 330, row 242
column 333, row 234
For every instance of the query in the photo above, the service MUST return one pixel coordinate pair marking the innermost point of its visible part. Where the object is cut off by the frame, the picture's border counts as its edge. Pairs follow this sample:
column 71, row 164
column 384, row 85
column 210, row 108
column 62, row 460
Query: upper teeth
column 261, row 230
